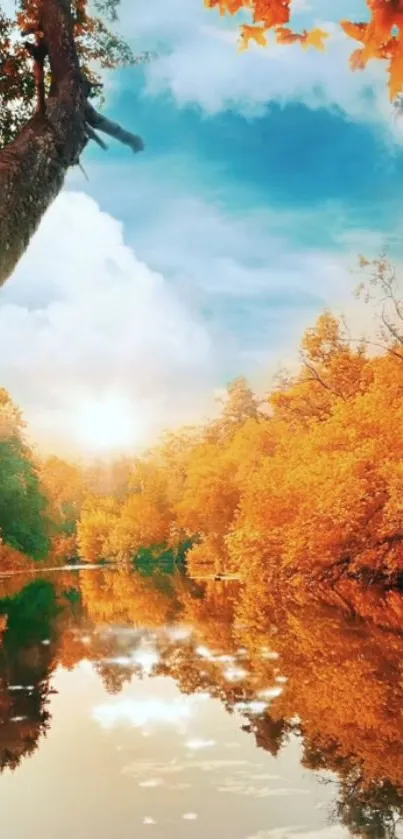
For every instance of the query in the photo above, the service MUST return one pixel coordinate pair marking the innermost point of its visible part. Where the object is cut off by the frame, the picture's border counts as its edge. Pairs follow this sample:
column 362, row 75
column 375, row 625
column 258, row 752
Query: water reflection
column 161, row 704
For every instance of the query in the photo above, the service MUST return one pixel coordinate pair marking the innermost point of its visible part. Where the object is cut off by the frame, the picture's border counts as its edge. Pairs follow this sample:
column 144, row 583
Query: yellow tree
column 65, row 489
column 98, row 518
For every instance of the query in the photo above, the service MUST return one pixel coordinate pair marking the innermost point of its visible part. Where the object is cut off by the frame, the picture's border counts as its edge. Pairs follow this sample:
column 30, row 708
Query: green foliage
column 23, row 521
column 167, row 560
column 31, row 612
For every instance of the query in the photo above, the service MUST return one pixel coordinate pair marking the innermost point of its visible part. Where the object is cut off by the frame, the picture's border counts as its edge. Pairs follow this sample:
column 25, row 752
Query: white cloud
column 152, row 783
column 238, row 786
column 141, row 769
column 83, row 317
column 139, row 713
column 209, row 70
column 198, row 744
column 98, row 345
column 200, row 63
column 332, row 832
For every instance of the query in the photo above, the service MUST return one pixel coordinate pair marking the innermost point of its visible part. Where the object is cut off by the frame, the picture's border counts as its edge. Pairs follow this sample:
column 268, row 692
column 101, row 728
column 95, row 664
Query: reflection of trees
column 270, row 734
column 113, row 676
column 334, row 681
column 122, row 598
column 339, row 682
column 209, row 609
column 26, row 664
column 369, row 813
column 344, row 698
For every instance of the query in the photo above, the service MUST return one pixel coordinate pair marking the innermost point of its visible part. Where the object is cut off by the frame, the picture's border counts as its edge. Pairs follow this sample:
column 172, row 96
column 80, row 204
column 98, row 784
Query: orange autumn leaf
column 225, row 6
column 271, row 13
column 381, row 37
column 316, row 39
column 286, row 36
column 253, row 33
column 357, row 31
column 358, row 60
column 396, row 74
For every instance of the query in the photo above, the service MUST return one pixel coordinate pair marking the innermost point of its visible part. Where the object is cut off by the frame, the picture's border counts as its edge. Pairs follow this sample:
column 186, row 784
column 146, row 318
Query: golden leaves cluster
column 305, row 485
column 380, row 37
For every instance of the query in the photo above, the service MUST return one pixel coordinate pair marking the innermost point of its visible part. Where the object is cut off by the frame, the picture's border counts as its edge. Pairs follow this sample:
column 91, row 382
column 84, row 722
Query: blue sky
column 162, row 276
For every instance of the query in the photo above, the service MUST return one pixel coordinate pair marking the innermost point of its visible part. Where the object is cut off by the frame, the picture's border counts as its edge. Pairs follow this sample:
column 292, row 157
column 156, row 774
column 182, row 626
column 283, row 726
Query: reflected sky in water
column 113, row 742
column 153, row 758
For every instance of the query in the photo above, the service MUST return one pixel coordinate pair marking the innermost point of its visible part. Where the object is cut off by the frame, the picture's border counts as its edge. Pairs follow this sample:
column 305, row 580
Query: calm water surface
column 134, row 706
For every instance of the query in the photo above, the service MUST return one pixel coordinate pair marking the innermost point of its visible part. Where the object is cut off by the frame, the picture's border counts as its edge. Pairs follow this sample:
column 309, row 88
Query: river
column 150, row 705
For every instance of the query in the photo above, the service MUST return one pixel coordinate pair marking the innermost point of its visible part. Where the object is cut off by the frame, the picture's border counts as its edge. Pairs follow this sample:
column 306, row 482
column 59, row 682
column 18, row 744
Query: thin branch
column 318, row 378
column 38, row 53
column 383, row 347
column 92, row 135
column 391, row 329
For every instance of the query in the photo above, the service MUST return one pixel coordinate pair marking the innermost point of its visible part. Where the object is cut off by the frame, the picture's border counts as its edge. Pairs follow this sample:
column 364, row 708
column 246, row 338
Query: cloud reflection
column 139, row 713
column 196, row 745
column 300, row 832
column 240, row 786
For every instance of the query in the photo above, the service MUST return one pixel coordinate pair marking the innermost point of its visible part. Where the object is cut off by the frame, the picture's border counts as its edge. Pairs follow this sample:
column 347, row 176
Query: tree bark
column 33, row 167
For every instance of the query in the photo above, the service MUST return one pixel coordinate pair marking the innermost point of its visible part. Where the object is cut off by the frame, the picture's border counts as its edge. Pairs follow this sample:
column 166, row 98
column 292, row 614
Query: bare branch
column 92, row 135
column 318, row 378
column 379, row 346
column 391, row 329
column 102, row 123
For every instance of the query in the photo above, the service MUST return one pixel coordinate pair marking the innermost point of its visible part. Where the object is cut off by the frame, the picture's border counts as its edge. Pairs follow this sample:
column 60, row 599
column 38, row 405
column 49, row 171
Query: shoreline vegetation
column 301, row 490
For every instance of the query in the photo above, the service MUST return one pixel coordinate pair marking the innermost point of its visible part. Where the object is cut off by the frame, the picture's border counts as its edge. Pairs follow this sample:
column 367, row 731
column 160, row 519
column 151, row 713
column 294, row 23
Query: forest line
column 303, row 486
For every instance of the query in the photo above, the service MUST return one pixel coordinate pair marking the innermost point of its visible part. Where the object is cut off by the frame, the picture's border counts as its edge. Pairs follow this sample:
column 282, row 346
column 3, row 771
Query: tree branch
column 391, row 329
column 34, row 165
column 316, row 377
column 102, row 123
column 38, row 52
column 56, row 23
column 92, row 135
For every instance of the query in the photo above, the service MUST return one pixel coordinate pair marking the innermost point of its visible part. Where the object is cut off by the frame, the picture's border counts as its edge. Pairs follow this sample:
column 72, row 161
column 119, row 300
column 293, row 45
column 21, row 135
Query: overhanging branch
column 33, row 166
column 101, row 123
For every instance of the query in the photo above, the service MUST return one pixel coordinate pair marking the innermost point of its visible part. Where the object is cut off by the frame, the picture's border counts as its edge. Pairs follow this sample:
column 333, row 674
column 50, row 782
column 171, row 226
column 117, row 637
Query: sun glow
column 106, row 424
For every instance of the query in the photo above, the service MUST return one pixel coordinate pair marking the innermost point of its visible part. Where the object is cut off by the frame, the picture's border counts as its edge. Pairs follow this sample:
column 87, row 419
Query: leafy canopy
column 23, row 521
column 379, row 37
column 99, row 48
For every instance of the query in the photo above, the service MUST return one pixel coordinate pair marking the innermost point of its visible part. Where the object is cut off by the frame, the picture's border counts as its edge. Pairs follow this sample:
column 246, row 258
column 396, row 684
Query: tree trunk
column 34, row 165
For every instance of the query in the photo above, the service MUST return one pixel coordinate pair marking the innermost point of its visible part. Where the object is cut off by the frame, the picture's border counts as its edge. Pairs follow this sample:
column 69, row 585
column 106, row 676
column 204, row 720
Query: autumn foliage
column 379, row 37
column 304, row 485
column 301, row 488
